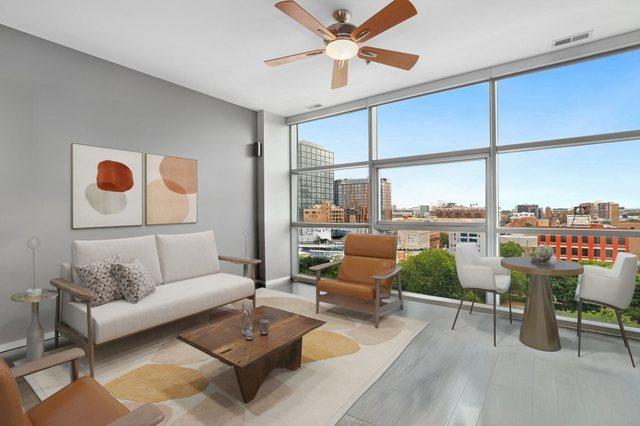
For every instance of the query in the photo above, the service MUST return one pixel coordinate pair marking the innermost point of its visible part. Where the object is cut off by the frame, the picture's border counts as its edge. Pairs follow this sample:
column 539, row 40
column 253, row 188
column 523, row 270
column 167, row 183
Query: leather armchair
column 612, row 288
column 84, row 401
column 366, row 275
column 477, row 272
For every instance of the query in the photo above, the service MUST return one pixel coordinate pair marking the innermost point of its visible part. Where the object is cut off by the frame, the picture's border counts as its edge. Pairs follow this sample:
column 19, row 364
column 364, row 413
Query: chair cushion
column 358, row 269
column 184, row 256
column 367, row 245
column 142, row 248
column 168, row 303
column 82, row 402
column 351, row 289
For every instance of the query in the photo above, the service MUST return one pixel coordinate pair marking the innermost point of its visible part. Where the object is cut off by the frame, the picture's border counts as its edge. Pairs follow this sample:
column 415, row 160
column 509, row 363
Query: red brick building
column 582, row 247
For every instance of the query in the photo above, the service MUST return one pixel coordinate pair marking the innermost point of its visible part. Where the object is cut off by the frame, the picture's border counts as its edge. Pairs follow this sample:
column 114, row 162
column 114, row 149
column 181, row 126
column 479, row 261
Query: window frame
column 489, row 154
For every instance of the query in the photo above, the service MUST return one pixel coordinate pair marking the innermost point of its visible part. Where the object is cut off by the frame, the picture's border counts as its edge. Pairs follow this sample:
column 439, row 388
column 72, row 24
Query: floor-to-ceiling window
column 549, row 157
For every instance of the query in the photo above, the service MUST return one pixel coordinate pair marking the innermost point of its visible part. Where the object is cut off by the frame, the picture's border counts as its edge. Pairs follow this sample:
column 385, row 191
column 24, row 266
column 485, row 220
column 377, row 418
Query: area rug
column 341, row 360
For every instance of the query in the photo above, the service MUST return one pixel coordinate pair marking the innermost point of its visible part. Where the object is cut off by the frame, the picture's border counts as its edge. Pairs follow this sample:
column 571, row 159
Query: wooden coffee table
column 253, row 360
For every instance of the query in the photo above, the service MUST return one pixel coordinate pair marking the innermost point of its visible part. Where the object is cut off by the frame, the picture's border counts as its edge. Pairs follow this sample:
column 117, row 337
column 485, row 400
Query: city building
column 353, row 196
column 634, row 242
column 458, row 212
column 316, row 187
column 573, row 247
column 324, row 213
column 528, row 208
column 456, row 238
column 609, row 212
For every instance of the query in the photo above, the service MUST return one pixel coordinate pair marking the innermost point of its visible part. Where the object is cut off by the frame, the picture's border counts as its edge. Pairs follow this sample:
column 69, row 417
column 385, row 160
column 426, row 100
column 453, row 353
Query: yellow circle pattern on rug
column 322, row 344
column 157, row 382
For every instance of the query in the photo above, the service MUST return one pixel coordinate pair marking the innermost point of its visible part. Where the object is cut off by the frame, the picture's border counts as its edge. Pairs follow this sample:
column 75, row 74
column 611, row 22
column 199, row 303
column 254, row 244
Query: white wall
column 274, row 198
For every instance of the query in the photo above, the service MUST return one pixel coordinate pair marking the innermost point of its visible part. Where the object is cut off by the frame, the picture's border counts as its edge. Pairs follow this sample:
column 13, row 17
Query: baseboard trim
column 4, row 347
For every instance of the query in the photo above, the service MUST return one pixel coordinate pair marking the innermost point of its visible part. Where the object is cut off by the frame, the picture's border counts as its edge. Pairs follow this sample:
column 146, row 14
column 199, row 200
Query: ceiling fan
column 342, row 39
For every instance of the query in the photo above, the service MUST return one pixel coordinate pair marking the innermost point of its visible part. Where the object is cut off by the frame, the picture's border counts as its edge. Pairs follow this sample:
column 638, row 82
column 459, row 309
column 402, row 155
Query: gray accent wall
column 52, row 96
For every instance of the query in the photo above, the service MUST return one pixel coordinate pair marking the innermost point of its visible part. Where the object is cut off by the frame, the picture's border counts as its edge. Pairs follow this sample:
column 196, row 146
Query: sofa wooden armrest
column 147, row 415
column 75, row 290
column 395, row 271
column 47, row 361
column 322, row 267
column 240, row 260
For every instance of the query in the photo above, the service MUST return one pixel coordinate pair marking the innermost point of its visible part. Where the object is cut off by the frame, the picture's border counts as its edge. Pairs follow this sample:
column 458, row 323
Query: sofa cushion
column 184, row 256
column 168, row 303
column 97, row 277
column 142, row 248
column 133, row 280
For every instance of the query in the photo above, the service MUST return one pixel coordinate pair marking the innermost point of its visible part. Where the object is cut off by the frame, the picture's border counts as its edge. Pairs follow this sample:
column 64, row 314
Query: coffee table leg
column 539, row 329
column 251, row 377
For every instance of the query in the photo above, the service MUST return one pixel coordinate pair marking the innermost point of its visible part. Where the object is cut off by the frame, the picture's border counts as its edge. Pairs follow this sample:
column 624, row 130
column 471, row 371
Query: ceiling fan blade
column 291, row 58
column 405, row 61
column 340, row 74
column 297, row 13
column 391, row 15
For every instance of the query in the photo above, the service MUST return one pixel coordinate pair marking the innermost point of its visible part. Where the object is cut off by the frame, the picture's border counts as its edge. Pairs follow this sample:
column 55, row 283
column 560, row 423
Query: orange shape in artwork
column 114, row 176
column 180, row 175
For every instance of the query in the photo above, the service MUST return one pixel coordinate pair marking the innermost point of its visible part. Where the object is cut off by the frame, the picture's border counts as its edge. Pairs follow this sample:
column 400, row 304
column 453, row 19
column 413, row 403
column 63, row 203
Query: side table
column 35, row 333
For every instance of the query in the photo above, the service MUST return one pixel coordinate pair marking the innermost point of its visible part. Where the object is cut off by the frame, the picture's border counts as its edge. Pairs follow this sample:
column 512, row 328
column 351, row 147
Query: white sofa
column 188, row 280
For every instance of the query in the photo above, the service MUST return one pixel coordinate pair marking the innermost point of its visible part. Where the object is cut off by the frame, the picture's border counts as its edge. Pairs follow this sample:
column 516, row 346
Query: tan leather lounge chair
column 82, row 402
column 366, row 274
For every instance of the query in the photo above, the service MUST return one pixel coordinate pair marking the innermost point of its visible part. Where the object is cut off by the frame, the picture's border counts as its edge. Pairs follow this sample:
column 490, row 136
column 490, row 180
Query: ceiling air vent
column 314, row 106
column 572, row 39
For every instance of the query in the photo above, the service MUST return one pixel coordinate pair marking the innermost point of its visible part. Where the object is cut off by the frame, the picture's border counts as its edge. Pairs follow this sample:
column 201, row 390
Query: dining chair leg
column 494, row 318
column 400, row 292
column 471, row 310
column 579, row 325
column 459, row 306
column 624, row 337
column 510, row 316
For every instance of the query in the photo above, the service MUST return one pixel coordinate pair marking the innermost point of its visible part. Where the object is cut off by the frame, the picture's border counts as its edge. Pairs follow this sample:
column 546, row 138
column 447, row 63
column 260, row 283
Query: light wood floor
column 457, row 377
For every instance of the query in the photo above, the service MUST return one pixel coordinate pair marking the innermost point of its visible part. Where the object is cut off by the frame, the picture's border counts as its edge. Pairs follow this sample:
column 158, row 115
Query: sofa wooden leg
column 253, row 300
column 90, row 345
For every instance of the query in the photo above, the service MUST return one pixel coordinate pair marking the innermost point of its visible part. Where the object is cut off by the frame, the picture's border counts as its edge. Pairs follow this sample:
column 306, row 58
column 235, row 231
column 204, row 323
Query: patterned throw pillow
column 134, row 282
column 97, row 277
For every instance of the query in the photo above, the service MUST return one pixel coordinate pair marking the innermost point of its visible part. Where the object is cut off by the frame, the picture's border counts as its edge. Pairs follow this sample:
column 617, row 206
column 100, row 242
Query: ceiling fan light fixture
column 342, row 48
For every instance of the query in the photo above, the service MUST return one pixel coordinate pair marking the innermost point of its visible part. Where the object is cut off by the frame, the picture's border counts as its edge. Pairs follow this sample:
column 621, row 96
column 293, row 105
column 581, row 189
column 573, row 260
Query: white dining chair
column 481, row 273
column 612, row 288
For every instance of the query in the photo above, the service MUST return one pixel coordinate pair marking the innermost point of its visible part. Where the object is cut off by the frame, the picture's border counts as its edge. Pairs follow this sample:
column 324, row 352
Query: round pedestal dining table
column 539, row 329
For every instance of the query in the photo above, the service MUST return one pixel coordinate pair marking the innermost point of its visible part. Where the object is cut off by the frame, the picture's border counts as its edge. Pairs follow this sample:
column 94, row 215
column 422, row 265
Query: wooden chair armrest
column 395, row 271
column 240, row 260
column 324, row 266
column 147, row 415
column 75, row 290
column 47, row 361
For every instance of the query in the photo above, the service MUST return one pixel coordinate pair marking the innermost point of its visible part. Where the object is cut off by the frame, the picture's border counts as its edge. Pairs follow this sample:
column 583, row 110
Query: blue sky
column 598, row 96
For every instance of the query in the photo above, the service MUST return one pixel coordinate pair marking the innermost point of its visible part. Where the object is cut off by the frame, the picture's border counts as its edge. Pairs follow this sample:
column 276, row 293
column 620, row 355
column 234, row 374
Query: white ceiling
column 218, row 47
